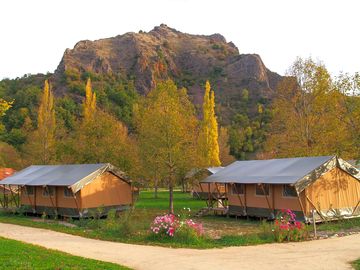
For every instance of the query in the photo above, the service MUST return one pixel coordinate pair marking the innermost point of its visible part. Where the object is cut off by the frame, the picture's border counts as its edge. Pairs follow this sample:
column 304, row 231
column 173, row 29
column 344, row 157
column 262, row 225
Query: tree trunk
column 183, row 185
column 156, row 188
column 171, row 198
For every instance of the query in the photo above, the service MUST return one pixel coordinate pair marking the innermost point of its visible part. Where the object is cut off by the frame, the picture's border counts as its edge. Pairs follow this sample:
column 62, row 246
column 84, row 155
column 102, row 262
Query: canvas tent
column 71, row 190
column 327, row 186
column 201, row 190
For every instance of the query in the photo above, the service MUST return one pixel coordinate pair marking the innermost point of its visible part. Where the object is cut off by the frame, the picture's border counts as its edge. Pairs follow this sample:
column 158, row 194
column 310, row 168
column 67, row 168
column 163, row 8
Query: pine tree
column 210, row 129
column 89, row 102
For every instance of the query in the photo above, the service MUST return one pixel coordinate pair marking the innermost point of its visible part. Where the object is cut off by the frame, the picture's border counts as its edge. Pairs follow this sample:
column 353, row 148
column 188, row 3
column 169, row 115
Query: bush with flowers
column 287, row 228
column 178, row 226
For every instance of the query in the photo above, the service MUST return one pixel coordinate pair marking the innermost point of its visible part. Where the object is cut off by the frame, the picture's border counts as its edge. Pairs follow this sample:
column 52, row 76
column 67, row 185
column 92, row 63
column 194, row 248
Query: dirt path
column 327, row 254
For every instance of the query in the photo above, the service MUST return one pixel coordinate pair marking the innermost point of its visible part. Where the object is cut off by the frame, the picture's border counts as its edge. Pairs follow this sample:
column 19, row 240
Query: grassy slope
column 18, row 255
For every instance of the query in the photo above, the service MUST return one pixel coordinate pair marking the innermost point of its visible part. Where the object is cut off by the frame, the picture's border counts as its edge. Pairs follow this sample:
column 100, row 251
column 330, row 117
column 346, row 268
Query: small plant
column 287, row 228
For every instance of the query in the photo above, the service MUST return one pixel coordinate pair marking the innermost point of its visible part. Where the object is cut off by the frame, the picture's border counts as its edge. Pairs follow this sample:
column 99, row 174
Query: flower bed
column 287, row 228
column 169, row 224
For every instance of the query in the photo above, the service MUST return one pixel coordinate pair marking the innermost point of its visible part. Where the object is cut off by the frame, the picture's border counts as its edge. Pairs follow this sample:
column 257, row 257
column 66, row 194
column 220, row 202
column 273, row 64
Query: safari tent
column 71, row 190
column 325, row 187
column 201, row 190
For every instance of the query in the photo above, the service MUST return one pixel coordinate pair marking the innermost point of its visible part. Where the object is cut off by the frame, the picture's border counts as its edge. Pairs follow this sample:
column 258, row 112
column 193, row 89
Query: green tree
column 167, row 131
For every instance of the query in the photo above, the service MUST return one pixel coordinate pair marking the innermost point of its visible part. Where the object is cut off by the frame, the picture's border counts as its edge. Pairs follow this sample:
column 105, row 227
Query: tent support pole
column 13, row 197
column 29, row 200
column 56, row 201
column 51, row 200
column 273, row 198
column 266, row 197
column 318, row 211
column 301, row 205
column 35, row 191
column 245, row 203
column 356, row 207
column 209, row 196
column 202, row 191
column 1, row 202
column 219, row 195
column 77, row 206
column 238, row 195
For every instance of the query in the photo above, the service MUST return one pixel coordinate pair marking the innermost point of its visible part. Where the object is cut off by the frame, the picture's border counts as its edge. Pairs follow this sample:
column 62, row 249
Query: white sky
column 35, row 33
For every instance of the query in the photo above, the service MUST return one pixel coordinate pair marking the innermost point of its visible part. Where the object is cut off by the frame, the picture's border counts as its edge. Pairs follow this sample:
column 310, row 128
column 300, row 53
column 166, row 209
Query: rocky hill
column 164, row 52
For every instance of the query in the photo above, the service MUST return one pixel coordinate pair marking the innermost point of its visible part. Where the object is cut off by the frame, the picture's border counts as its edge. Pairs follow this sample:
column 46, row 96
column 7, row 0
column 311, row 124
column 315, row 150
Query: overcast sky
column 35, row 33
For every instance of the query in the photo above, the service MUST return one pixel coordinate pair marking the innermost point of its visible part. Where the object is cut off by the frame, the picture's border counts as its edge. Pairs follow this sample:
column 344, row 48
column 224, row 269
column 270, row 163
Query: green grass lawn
column 134, row 226
column 18, row 255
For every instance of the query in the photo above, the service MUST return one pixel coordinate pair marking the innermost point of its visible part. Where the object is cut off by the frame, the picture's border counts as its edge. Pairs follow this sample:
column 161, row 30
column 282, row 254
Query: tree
column 89, row 105
column 41, row 142
column 224, row 147
column 306, row 110
column 99, row 138
column 209, row 135
column 167, row 131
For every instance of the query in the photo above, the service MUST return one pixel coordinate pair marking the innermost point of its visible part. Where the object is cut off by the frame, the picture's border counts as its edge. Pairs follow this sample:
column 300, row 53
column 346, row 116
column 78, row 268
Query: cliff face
column 163, row 53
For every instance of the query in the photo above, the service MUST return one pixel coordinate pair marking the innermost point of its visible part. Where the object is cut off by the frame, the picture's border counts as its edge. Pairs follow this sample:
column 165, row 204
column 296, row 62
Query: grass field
column 18, row 255
column 133, row 227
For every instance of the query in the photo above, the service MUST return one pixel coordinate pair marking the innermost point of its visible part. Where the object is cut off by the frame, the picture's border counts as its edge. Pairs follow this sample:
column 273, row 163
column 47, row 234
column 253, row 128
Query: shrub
column 287, row 228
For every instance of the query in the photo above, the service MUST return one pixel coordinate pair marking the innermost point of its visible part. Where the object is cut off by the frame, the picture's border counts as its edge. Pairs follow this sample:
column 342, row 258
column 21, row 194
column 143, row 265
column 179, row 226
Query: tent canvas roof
column 73, row 176
column 299, row 172
column 274, row 171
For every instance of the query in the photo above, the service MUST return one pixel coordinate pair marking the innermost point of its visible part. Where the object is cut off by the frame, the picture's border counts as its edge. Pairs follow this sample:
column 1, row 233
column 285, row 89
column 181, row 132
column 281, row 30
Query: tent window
column 68, row 192
column 237, row 189
column 48, row 191
column 29, row 190
column 289, row 191
column 260, row 189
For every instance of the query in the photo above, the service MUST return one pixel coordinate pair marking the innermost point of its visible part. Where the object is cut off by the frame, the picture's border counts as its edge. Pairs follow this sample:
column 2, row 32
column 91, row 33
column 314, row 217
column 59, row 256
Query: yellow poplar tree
column 45, row 133
column 89, row 102
column 210, row 129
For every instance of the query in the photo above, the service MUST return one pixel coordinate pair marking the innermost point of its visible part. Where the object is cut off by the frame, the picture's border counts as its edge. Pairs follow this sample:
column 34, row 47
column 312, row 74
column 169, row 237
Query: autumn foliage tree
column 209, row 133
column 41, row 144
column 306, row 114
column 167, row 133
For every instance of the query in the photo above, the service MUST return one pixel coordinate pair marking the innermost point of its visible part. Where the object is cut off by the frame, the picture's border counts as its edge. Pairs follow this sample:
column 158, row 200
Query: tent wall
column 65, row 205
column 260, row 206
column 106, row 190
column 334, row 193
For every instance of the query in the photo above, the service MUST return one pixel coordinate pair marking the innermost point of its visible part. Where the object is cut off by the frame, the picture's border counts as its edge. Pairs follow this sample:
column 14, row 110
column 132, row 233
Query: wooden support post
column 314, row 223
column 318, row 211
column 238, row 195
column 77, row 206
column 56, row 202
column 245, row 202
column 13, row 196
column 302, row 206
column 209, row 195
column 51, row 200
column 266, row 197
column 273, row 198
column 357, row 205
column 35, row 191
